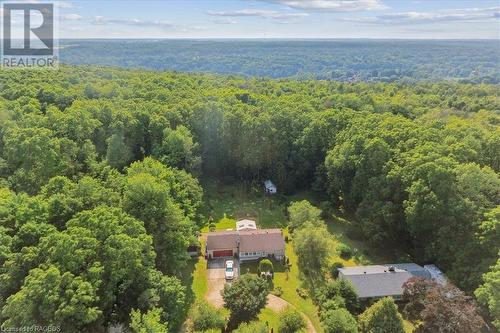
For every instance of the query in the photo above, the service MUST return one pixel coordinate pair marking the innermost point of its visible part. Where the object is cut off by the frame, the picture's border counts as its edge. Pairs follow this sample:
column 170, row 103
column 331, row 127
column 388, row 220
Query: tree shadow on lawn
column 194, row 278
column 187, row 279
column 253, row 267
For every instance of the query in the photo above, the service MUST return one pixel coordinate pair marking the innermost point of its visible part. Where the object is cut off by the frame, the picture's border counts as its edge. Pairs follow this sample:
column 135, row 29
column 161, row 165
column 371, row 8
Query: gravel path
column 278, row 304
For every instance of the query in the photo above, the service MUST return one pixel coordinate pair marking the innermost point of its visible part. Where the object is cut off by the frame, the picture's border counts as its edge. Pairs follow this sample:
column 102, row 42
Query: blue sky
column 432, row 19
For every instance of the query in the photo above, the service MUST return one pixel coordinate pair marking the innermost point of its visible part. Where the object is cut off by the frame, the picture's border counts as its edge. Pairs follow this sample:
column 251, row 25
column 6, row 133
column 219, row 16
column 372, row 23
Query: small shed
column 270, row 187
column 194, row 250
column 246, row 225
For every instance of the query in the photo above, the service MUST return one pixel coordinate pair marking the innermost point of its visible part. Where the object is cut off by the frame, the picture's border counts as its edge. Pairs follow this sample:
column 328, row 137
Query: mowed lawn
column 290, row 282
column 227, row 203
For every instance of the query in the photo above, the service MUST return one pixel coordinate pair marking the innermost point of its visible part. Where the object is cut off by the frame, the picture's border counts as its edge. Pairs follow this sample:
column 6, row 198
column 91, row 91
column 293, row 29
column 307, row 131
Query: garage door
column 223, row 253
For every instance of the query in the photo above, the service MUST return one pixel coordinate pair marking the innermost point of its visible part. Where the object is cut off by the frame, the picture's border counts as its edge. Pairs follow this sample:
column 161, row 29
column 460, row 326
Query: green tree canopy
column 339, row 321
column 205, row 317
column 301, row 212
column 178, row 149
column 488, row 293
column 149, row 322
column 73, row 302
column 381, row 317
column 245, row 298
column 291, row 321
column 252, row 327
column 313, row 246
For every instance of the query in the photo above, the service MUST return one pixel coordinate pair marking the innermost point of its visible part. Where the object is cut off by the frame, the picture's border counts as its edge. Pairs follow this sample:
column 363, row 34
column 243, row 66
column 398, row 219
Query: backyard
column 227, row 203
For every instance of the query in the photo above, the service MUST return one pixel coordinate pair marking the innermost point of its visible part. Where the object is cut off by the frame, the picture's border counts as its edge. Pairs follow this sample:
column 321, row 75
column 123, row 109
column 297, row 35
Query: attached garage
column 222, row 244
column 222, row 253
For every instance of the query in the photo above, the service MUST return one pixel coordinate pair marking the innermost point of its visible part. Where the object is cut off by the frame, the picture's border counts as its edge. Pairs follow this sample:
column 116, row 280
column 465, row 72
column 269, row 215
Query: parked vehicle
column 229, row 269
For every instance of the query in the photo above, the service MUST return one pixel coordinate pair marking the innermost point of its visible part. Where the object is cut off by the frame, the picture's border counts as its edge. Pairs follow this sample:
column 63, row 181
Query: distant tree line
column 339, row 60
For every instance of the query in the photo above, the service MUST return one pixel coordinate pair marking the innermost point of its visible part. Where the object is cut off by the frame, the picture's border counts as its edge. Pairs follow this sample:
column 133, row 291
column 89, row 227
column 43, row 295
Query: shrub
column 335, row 303
column 302, row 292
column 339, row 321
column 383, row 316
column 278, row 291
column 344, row 251
column 341, row 288
column 334, row 269
column 291, row 321
column 206, row 317
column 252, row 327
column 265, row 265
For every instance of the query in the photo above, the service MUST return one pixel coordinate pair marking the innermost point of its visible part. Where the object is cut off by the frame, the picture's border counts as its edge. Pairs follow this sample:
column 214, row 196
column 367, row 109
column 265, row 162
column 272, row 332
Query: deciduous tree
column 245, row 298
column 381, row 317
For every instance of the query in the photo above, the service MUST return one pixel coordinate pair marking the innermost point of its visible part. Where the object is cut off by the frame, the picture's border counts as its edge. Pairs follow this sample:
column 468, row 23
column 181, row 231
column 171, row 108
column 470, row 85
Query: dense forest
column 100, row 193
column 340, row 60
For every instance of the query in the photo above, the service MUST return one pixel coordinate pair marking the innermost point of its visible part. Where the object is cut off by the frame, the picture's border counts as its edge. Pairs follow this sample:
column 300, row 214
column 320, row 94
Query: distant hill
column 342, row 60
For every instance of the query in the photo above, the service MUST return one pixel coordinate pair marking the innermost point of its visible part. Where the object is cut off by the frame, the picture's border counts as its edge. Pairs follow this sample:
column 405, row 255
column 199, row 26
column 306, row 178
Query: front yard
column 226, row 203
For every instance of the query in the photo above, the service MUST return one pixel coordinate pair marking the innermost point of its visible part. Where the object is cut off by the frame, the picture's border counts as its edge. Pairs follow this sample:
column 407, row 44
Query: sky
column 405, row 19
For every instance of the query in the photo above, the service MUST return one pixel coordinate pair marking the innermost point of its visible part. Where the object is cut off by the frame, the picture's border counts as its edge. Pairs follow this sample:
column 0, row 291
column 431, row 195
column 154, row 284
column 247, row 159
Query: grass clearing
column 270, row 317
column 290, row 282
column 194, row 277
column 227, row 203
column 237, row 202
column 408, row 327
column 363, row 254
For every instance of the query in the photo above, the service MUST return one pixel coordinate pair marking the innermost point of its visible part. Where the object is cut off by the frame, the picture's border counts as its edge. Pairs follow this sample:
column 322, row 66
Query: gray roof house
column 376, row 281
column 246, row 244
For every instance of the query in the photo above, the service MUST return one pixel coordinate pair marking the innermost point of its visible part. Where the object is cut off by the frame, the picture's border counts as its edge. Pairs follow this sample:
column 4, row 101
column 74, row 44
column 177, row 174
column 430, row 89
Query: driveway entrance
column 216, row 279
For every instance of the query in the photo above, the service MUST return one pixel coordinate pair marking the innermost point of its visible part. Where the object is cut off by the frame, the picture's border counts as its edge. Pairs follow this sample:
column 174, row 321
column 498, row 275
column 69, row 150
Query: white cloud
column 452, row 15
column 72, row 17
column 101, row 20
column 131, row 22
column 332, row 5
column 65, row 4
column 268, row 14
column 223, row 20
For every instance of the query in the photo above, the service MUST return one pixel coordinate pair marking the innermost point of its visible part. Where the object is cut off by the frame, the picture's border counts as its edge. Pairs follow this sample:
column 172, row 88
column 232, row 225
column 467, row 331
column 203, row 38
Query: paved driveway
column 216, row 279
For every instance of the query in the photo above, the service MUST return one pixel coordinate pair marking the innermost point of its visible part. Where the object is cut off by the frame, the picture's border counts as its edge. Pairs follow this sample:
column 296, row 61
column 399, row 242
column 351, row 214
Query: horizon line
column 281, row 38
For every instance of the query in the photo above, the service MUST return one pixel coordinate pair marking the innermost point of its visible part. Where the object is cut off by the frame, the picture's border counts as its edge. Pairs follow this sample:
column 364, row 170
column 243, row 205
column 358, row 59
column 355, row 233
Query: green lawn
column 227, row 203
column 194, row 277
column 343, row 232
column 270, row 317
column 289, row 283
column 237, row 202
column 409, row 327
